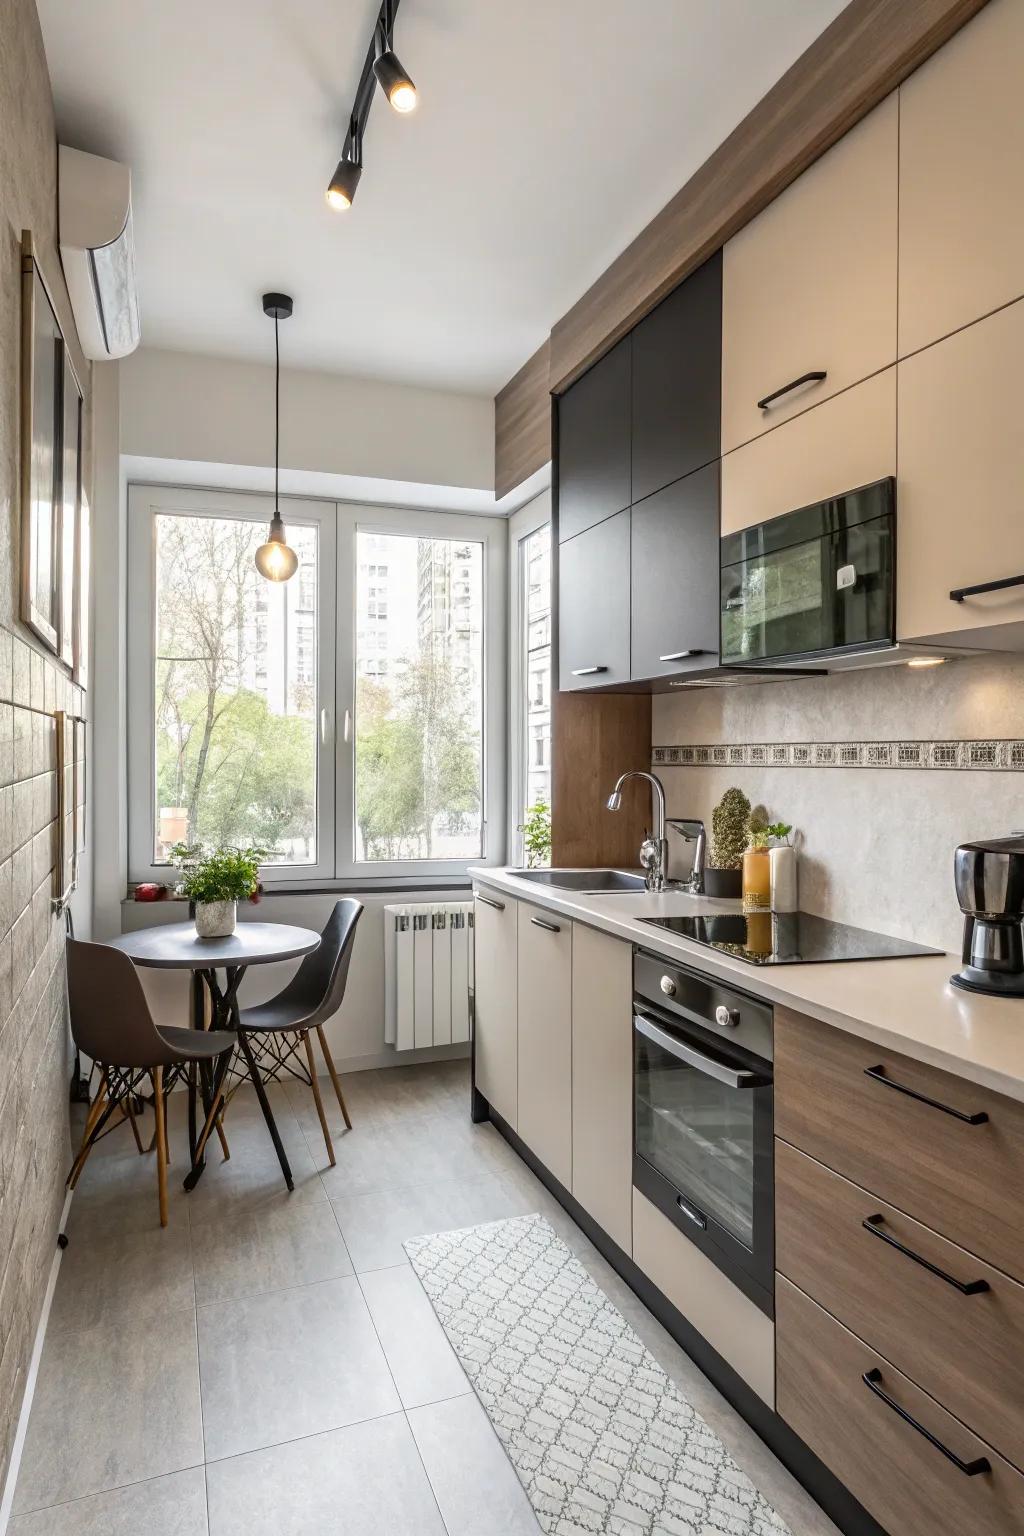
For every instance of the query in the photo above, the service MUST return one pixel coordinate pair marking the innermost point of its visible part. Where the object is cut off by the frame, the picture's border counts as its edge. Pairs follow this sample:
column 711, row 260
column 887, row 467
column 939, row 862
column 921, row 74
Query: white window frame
column 520, row 526
column 492, row 533
column 337, row 524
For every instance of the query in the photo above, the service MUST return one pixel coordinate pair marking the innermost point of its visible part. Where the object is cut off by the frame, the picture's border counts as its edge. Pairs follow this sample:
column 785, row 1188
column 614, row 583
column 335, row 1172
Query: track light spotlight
column 393, row 80
column 343, row 184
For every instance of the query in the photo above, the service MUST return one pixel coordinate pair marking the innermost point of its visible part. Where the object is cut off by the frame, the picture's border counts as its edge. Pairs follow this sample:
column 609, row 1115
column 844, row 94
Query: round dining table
column 177, row 947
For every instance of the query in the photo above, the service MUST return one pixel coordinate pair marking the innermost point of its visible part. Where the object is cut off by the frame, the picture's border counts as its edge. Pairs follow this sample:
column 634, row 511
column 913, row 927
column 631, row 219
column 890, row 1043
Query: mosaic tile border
column 1006, row 756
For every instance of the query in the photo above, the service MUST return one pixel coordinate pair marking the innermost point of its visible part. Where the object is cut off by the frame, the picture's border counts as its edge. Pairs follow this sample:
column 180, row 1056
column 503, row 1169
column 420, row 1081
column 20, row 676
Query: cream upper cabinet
column 847, row 442
column 809, row 286
column 960, row 488
column 495, row 1026
column 962, row 179
column 602, row 1081
column 545, row 1038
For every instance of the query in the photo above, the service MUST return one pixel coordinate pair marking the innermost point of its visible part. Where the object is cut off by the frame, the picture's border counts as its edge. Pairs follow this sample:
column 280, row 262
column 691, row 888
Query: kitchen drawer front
column 963, row 1180
column 810, row 284
column 966, row 1350
column 902, row 1479
column 961, row 469
column 961, row 150
column 847, row 442
column 602, row 1080
column 545, row 1038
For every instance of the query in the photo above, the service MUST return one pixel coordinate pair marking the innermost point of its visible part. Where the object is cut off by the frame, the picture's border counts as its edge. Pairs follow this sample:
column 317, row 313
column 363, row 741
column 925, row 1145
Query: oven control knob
column 668, row 986
column 727, row 1017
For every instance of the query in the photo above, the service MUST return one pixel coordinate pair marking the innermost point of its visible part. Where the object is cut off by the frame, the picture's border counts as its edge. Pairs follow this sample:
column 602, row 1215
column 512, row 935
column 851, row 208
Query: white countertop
column 907, row 1005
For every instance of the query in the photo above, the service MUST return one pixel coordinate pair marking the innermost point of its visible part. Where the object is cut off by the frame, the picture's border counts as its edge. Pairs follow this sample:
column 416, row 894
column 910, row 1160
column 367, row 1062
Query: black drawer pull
column 805, row 378
column 499, row 906
column 872, row 1224
column 538, row 922
column 878, row 1073
column 587, row 671
column 959, row 593
column 968, row 1468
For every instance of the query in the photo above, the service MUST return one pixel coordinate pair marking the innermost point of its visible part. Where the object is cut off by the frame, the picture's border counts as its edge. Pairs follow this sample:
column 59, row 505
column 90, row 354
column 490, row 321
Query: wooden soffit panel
column 522, row 424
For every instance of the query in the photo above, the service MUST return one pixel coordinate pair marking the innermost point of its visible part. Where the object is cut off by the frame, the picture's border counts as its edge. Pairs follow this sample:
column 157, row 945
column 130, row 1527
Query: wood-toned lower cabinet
column 959, row 515
column 845, row 443
column 496, row 1030
column 871, row 1426
column 545, row 1059
column 602, row 1081
column 950, row 1322
column 961, row 192
column 809, row 286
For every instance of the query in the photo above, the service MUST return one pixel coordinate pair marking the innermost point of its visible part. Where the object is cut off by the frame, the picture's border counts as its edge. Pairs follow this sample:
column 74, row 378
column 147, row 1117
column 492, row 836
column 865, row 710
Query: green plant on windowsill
column 225, row 874
column 536, row 830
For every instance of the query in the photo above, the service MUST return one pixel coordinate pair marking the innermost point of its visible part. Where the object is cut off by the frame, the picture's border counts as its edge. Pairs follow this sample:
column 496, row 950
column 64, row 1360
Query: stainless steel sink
column 591, row 882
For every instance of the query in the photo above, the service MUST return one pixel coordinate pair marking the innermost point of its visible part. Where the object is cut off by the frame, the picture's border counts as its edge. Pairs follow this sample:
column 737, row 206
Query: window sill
column 383, row 887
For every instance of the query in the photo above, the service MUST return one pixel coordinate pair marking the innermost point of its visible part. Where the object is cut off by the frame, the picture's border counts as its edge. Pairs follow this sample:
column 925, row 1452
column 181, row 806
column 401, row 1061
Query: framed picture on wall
column 42, row 469
column 69, row 506
column 83, row 576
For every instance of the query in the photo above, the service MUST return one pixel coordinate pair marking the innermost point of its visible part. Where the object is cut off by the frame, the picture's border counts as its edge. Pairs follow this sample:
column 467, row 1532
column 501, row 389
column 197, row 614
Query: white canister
column 783, row 878
column 215, row 919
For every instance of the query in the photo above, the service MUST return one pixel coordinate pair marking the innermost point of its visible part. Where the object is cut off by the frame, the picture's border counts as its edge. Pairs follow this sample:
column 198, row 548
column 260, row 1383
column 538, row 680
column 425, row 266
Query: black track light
column 393, row 80
column 343, row 185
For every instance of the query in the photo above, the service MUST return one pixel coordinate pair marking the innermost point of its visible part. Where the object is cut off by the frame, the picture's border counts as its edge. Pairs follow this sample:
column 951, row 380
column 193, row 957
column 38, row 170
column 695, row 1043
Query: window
column 352, row 719
column 530, row 680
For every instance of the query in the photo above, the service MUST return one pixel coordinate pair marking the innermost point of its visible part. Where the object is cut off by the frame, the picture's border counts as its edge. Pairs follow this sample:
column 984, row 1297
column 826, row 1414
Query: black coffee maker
column 990, row 890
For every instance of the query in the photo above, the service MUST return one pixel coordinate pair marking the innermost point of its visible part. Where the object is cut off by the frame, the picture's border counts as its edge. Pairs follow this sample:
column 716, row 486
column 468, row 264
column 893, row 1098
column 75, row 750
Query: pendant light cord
column 277, row 415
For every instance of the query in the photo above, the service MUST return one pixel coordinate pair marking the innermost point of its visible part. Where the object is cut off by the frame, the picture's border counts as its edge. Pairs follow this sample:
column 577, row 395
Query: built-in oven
column 702, row 1117
column 813, row 583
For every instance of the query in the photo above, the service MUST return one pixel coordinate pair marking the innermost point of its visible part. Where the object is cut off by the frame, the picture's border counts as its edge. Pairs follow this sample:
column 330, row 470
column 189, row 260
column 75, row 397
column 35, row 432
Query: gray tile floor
column 268, row 1365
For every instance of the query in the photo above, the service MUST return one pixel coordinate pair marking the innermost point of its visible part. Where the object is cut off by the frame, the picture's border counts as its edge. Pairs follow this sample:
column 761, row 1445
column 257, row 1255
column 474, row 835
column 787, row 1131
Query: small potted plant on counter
column 723, row 876
column 536, row 830
column 216, row 882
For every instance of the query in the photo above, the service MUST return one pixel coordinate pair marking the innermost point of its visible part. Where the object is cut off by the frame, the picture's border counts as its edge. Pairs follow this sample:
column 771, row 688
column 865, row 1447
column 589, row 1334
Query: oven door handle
column 733, row 1077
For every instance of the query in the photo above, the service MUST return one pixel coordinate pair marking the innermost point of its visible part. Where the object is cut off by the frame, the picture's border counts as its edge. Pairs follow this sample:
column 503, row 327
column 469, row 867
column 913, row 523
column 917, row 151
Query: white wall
column 180, row 405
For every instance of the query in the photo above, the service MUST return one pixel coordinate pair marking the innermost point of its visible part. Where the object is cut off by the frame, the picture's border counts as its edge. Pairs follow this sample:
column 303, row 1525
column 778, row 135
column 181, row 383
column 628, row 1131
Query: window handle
column 324, row 723
column 346, row 727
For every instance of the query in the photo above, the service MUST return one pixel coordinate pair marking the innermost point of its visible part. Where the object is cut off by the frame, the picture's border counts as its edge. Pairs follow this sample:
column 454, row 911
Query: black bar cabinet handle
column 872, row 1224
column 499, row 906
column 959, row 593
column 538, row 922
column 587, row 671
column 878, row 1073
column 815, row 377
column 968, row 1468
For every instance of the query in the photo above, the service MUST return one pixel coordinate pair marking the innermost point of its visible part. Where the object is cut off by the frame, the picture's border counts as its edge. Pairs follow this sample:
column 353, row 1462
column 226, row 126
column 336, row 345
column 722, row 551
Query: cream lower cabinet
column 545, row 1057
column 960, row 488
column 495, row 1019
column 602, row 1081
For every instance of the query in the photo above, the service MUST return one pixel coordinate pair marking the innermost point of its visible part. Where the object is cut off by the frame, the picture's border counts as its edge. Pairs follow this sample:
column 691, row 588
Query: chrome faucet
column 653, row 850
column 695, row 832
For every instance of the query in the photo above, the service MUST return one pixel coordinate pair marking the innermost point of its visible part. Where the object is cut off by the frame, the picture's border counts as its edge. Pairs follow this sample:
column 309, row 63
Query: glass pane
column 419, row 698
column 700, row 1135
column 536, row 567
column 236, row 690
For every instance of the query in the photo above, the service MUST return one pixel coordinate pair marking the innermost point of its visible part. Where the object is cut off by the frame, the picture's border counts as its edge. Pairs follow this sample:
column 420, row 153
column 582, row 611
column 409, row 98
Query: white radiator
column 428, row 965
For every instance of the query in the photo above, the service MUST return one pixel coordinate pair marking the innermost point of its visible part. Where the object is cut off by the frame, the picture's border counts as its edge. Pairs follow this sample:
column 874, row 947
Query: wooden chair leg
column 225, row 1149
column 334, row 1076
column 95, row 1110
column 129, row 1115
column 212, row 1121
column 307, row 1042
column 161, row 1141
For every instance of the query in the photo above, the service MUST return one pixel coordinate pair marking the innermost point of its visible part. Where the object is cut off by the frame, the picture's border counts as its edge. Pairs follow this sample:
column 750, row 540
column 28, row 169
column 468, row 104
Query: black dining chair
column 271, row 1034
column 111, row 1023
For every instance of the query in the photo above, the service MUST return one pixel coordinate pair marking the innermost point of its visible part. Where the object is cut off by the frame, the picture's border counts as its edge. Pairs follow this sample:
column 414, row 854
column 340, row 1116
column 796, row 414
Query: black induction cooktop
column 786, row 938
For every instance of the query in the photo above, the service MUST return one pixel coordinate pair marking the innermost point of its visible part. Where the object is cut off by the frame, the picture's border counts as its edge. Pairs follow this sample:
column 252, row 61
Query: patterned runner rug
column 601, row 1439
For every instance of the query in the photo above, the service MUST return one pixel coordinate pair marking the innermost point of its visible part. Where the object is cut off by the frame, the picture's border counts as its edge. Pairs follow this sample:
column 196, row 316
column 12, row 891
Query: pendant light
column 275, row 559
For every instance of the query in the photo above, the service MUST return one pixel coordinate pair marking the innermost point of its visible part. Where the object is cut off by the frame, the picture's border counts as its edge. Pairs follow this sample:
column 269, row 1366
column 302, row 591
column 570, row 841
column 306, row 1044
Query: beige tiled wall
column 34, row 1054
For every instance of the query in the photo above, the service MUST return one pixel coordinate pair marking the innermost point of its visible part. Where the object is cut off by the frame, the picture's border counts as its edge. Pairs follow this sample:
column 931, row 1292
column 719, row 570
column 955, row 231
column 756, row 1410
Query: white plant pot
column 215, row 919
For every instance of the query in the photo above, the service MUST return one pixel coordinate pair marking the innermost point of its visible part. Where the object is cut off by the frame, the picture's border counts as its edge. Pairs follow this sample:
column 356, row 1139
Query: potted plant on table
column 723, row 876
column 216, row 882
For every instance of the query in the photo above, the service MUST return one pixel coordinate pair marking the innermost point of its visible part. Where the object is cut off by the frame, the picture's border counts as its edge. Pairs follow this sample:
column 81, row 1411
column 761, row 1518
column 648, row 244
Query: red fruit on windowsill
column 149, row 890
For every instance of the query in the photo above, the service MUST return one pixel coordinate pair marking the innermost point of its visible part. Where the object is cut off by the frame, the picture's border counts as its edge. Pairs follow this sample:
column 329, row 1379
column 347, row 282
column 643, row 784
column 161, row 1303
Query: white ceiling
column 549, row 133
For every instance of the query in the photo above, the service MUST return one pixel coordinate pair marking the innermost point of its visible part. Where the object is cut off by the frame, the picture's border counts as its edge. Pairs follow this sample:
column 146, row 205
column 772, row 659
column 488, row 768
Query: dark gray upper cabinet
column 593, row 605
column 594, row 443
column 674, row 577
column 677, row 383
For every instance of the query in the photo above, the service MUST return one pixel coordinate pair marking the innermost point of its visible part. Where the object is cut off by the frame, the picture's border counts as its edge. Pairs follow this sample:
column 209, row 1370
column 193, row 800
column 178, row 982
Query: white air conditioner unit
column 97, row 249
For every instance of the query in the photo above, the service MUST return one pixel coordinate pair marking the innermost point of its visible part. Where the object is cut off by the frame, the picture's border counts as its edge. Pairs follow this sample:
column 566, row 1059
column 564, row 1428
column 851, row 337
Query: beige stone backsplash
column 876, row 845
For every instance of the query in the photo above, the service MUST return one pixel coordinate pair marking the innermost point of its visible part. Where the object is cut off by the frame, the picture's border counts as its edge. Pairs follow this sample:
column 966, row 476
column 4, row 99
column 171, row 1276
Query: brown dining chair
column 271, row 1034
column 111, row 1023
